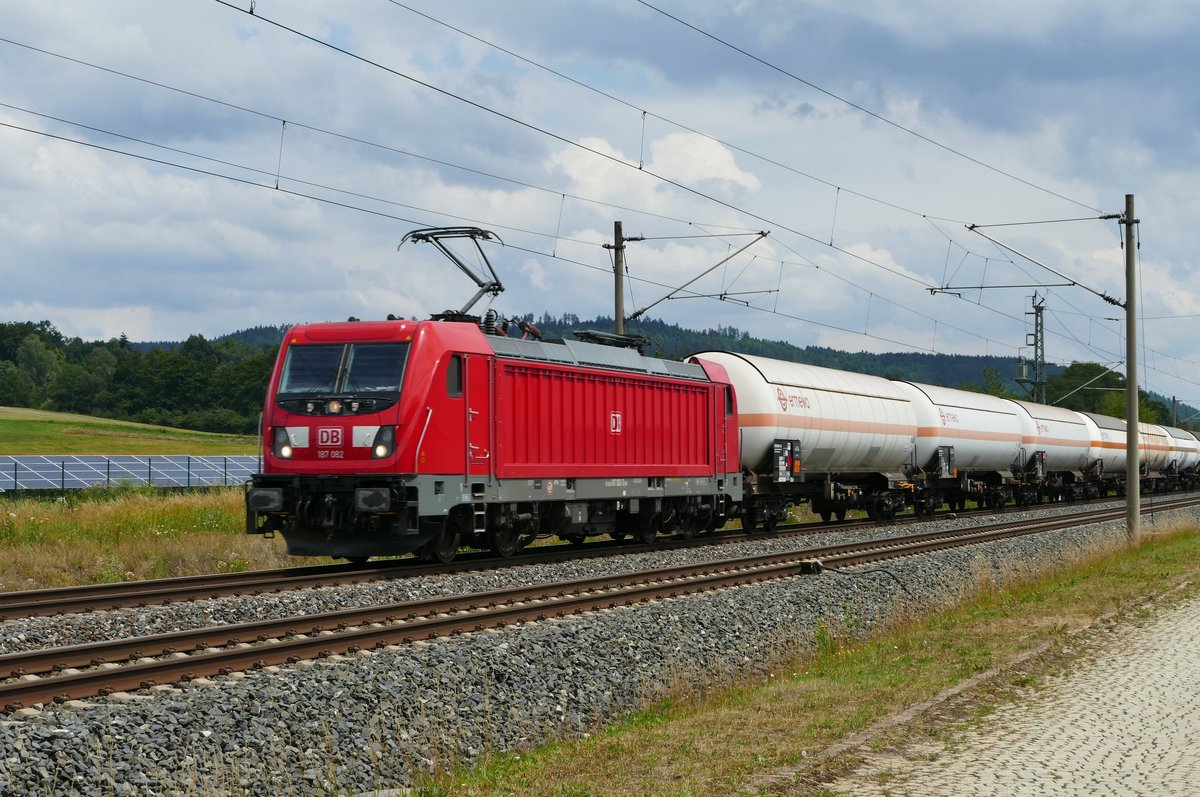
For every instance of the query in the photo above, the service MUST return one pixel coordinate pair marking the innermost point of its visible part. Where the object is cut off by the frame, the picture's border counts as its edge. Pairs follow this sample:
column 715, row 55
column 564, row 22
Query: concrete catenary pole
column 1133, row 497
column 619, row 272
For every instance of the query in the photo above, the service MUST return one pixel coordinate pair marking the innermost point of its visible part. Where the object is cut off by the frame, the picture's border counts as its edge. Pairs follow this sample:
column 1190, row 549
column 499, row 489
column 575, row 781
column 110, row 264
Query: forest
column 218, row 385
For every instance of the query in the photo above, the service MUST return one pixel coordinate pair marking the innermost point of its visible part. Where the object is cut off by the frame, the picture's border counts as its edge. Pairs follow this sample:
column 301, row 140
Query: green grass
column 698, row 741
column 121, row 533
column 27, row 431
column 101, row 535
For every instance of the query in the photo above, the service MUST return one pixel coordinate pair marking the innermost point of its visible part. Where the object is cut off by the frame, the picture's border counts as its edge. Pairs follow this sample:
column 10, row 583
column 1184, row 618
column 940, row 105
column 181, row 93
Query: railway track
column 78, row 672
column 102, row 597
column 93, row 597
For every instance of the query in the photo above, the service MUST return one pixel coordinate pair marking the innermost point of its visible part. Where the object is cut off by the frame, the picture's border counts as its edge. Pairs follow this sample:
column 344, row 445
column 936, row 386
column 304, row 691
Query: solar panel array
column 74, row 473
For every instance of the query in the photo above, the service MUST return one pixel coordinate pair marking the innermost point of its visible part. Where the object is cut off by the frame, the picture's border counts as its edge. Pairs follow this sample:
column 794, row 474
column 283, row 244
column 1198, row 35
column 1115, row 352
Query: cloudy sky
column 189, row 167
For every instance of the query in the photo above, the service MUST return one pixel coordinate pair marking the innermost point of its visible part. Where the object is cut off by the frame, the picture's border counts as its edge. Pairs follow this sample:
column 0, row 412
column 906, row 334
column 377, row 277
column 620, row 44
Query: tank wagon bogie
column 470, row 440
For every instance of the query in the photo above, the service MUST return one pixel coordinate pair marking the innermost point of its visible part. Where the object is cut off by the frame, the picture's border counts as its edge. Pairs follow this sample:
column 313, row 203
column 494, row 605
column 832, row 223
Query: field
column 26, row 431
column 123, row 533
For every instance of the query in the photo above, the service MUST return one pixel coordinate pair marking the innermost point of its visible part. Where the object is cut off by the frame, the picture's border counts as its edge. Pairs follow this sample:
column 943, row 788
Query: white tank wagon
column 982, row 435
column 1168, row 457
column 1054, row 460
column 1154, row 448
column 840, row 440
column 1106, row 455
column 1183, row 457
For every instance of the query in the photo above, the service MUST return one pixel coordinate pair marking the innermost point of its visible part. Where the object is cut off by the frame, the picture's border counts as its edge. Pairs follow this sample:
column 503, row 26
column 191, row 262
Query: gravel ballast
column 377, row 720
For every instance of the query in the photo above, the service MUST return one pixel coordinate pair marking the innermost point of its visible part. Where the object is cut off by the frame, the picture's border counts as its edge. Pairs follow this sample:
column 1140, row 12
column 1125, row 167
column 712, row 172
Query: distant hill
column 253, row 336
column 258, row 336
column 218, row 385
column 674, row 342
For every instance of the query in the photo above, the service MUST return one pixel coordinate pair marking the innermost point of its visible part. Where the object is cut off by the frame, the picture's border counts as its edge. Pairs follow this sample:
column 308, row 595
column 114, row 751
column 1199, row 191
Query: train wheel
column 840, row 514
column 826, row 515
column 505, row 541
column 749, row 521
column 444, row 544
column 618, row 536
column 647, row 531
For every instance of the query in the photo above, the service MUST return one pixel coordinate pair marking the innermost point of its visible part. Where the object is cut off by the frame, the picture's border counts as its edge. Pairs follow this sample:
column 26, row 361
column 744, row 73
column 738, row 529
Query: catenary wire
column 532, row 231
column 866, row 111
column 563, row 139
column 667, row 120
column 372, row 144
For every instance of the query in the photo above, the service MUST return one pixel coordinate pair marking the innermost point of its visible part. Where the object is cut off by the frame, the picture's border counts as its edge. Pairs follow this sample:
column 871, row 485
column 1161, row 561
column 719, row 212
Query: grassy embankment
column 122, row 533
column 714, row 741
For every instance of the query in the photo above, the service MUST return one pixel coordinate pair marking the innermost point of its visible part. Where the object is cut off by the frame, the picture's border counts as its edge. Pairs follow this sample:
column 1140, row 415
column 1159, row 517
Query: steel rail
column 92, row 597
column 357, row 629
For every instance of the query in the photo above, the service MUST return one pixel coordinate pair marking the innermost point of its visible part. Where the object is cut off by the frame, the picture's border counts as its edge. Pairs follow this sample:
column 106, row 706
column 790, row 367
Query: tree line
column 218, row 385
column 1085, row 387
column 212, row 386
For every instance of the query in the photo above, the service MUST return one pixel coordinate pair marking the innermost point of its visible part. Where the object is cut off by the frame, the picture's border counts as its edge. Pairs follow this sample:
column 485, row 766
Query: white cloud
column 90, row 239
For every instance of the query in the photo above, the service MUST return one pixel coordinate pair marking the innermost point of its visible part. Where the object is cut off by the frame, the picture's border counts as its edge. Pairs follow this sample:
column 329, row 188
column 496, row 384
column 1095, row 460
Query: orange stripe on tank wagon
column 1063, row 442
column 768, row 420
column 966, row 434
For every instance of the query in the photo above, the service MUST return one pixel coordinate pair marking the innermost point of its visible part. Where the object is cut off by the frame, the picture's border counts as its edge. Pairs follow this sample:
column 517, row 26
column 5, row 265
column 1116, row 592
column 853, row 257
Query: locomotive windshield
column 343, row 368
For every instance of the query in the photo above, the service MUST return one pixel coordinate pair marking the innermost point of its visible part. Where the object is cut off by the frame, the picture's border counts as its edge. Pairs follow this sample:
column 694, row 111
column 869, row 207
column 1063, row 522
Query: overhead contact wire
column 561, row 139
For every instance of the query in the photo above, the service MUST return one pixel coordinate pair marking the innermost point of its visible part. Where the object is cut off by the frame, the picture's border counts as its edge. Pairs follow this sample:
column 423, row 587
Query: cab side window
column 454, row 376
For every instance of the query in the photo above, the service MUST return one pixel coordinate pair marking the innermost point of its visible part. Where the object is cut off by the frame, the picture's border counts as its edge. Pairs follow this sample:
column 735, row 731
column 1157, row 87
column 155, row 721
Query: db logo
column 783, row 402
column 329, row 436
column 614, row 423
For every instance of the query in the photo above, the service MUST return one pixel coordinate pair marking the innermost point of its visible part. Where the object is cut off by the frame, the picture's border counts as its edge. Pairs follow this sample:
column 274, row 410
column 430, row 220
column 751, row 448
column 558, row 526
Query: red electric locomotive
column 389, row 437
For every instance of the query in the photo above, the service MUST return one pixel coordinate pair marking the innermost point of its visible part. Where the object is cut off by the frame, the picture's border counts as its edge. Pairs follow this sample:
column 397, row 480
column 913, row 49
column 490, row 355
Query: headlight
column 384, row 443
column 282, row 445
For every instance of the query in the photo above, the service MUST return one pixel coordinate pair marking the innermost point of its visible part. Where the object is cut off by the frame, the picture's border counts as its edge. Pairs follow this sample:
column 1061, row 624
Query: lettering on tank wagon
column 792, row 401
column 948, row 418
column 1043, row 428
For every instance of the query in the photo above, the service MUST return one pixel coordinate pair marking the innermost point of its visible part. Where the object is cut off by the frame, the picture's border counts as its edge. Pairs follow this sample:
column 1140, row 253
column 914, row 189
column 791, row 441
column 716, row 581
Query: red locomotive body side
column 388, row 437
column 554, row 421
